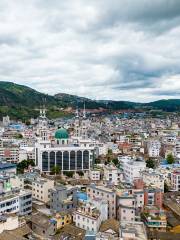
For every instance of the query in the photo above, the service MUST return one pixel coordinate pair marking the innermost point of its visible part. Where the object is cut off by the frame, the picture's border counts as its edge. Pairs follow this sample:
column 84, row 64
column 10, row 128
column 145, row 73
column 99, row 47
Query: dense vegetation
column 22, row 102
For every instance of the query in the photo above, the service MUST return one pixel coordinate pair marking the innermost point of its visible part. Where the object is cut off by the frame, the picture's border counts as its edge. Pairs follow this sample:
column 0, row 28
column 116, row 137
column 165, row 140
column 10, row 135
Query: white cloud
column 98, row 49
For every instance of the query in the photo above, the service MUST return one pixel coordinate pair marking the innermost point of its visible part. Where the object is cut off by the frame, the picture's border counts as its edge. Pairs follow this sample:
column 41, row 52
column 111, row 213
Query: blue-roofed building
column 82, row 196
column 7, row 168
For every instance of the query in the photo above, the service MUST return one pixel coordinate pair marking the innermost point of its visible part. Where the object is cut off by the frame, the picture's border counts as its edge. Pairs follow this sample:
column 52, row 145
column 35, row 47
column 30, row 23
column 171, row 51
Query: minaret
column 84, row 111
column 77, row 124
column 84, row 124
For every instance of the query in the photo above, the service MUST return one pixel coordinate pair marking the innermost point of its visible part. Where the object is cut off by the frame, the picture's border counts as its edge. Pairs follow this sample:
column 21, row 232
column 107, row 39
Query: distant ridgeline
column 22, row 102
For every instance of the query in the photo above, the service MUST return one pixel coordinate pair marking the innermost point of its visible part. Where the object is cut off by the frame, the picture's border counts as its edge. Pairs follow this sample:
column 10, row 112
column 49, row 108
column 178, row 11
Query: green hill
column 22, row 102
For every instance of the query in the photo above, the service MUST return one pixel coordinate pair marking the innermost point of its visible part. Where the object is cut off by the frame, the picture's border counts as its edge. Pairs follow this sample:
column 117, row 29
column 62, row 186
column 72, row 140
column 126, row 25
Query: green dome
column 61, row 134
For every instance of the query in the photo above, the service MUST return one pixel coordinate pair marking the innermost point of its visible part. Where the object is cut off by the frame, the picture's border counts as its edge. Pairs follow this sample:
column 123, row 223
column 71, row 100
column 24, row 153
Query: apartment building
column 95, row 174
column 126, row 207
column 10, row 154
column 131, row 168
column 105, row 193
column 175, row 180
column 40, row 187
column 16, row 201
column 91, row 214
column 153, row 178
column 153, row 197
column 154, row 147
column 112, row 174
column 63, row 198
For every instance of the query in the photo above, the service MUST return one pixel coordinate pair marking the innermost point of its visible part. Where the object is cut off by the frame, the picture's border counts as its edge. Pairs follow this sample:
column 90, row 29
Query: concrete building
column 112, row 174
column 175, row 180
column 63, row 199
column 43, row 226
column 132, row 230
column 95, row 174
column 16, row 201
column 126, row 207
column 132, row 168
column 154, row 218
column 40, row 187
column 63, row 153
column 153, row 197
column 91, row 214
column 154, row 147
column 153, row 178
column 105, row 193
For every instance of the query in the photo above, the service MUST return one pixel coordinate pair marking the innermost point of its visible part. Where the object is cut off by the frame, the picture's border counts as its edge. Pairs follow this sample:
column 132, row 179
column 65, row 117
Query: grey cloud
column 99, row 49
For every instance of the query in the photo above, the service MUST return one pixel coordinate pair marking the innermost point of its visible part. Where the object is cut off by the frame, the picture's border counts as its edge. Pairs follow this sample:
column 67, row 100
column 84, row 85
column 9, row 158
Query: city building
column 112, row 174
column 132, row 168
column 16, row 201
column 95, row 191
column 91, row 214
column 62, row 153
column 153, row 178
column 154, row 147
column 175, row 180
column 63, row 199
column 39, row 186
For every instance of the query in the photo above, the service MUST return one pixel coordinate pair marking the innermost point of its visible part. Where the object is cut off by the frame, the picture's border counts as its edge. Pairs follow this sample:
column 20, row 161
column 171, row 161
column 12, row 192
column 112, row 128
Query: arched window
column 86, row 159
column 72, row 160
column 52, row 160
column 45, row 161
column 66, row 160
column 59, row 159
column 79, row 160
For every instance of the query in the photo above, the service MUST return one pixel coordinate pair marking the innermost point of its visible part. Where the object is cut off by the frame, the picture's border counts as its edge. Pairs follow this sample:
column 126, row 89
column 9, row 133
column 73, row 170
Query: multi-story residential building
column 7, row 168
column 126, row 207
column 139, row 197
column 132, row 230
column 154, row 218
column 112, row 174
column 153, row 197
column 63, row 198
column 177, row 148
column 105, row 193
column 153, row 178
column 40, row 187
column 10, row 154
column 175, row 180
column 43, row 226
column 132, row 168
column 154, row 147
column 62, row 219
column 16, row 201
column 91, row 214
column 95, row 174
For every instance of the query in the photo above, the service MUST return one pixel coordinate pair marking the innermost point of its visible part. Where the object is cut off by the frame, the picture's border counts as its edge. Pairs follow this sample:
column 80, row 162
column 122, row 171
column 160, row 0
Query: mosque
column 62, row 150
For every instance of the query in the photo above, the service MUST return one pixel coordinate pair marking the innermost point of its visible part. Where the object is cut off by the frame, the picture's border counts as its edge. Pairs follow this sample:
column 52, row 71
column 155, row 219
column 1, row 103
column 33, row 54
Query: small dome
column 61, row 134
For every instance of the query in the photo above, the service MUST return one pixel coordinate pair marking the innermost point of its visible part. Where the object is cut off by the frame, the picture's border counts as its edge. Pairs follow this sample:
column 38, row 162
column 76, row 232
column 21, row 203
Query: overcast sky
column 102, row 49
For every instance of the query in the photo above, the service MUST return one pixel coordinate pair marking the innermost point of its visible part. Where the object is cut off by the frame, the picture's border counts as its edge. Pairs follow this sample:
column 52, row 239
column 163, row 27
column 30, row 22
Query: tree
column 55, row 170
column 115, row 161
column 80, row 173
column 170, row 158
column 24, row 165
column 150, row 163
column 69, row 174
column 97, row 161
column 166, row 187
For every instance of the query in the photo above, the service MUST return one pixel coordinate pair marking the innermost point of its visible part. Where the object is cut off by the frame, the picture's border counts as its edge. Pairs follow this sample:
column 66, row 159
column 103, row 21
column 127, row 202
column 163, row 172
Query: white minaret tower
column 84, row 124
column 77, row 124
